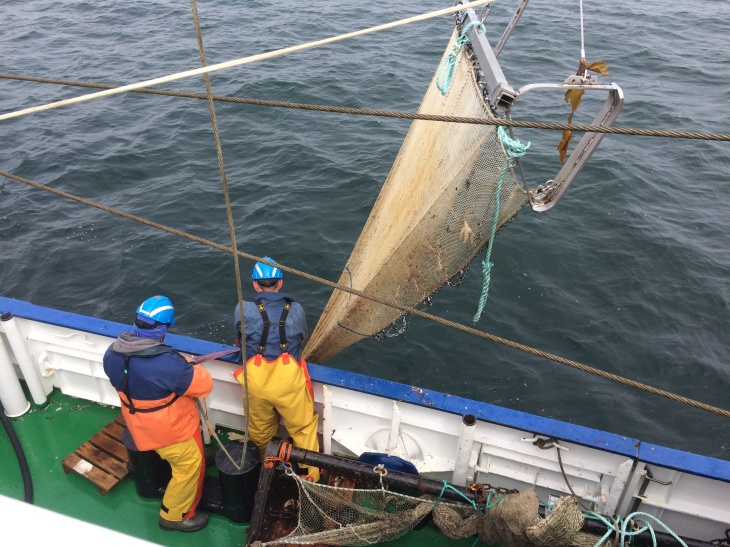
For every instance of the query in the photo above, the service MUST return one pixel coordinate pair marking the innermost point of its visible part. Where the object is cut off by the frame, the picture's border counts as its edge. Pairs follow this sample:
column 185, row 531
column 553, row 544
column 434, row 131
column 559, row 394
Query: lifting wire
column 582, row 39
column 404, row 309
column 234, row 246
column 550, row 126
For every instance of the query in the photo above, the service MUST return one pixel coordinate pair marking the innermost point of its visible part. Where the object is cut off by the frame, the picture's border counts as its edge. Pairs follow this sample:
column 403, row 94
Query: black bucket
column 150, row 472
column 238, row 486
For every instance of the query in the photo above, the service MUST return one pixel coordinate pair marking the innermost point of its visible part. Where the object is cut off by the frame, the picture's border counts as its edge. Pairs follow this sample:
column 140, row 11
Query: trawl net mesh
column 330, row 515
column 433, row 215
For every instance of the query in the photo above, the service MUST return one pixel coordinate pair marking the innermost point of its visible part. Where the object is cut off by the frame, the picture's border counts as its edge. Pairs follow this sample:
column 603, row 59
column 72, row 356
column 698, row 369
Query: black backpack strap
column 133, row 409
column 281, row 323
column 150, row 352
column 265, row 330
column 282, row 326
column 125, row 386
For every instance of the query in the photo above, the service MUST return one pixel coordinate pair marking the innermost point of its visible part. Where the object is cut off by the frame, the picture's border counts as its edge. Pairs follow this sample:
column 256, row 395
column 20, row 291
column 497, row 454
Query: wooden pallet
column 103, row 458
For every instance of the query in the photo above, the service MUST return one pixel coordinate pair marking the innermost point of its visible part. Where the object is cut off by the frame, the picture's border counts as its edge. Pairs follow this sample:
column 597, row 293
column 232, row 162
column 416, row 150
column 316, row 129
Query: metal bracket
column 641, row 494
column 500, row 95
column 650, row 478
column 510, row 27
column 546, row 196
column 545, row 442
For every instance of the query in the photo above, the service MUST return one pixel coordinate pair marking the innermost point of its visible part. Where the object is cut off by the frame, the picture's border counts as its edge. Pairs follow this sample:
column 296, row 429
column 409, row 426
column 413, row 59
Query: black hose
column 24, row 469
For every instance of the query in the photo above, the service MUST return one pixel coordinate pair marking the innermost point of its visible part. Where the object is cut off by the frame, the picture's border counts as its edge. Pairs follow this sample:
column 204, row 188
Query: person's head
column 154, row 316
column 267, row 278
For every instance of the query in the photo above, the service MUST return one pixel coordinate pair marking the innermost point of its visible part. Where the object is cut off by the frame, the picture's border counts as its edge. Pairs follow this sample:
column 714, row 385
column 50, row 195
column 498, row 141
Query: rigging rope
column 445, row 74
column 641, row 132
column 231, row 228
column 619, row 527
column 404, row 309
column 242, row 60
column 515, row 149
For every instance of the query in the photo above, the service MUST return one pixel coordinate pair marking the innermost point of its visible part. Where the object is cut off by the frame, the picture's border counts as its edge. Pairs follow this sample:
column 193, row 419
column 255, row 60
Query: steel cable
column 231, row 229
column 398, row 115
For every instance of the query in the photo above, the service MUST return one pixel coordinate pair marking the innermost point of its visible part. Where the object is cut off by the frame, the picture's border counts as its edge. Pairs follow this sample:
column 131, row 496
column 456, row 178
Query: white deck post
column 11, row 394
column 463, row 454
column 30, row 372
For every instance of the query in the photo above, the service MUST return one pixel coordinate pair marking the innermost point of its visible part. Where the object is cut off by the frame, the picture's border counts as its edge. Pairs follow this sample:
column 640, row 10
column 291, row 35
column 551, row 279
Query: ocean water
column 628, row 274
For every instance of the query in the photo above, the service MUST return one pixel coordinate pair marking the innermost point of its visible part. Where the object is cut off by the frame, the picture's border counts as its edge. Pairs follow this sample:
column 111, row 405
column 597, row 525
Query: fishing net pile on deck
column 433, row 215
column 330, row 515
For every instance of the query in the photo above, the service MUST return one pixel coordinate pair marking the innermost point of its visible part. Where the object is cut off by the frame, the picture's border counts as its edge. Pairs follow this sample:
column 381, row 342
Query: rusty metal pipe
column 364, row 472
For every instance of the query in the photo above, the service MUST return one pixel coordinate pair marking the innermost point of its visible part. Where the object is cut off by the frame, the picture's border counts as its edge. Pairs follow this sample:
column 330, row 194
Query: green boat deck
column 48, row 434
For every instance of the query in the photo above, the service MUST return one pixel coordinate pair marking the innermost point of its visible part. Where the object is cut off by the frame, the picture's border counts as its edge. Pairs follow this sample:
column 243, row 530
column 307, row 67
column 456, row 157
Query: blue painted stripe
column 704, row 466
column 101, row 326
column 617, row 444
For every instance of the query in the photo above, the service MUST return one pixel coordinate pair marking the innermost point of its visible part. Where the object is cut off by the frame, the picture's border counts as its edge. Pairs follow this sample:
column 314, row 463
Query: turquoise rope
column 447, row 486
column 515, row 149
column 489, row 505
column 609, row 527
column 445, row 74
column 622, row 524
column 642, row 517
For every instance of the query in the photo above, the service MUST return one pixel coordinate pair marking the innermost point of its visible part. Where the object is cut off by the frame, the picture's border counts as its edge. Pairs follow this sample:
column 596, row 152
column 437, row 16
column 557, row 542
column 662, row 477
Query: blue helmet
column 157, row 309
column 264, row 271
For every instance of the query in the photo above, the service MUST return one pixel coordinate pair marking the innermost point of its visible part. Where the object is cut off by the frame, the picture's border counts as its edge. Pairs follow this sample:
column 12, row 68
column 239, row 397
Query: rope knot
column 515, row 149
column 282, row 457
column 445, row 74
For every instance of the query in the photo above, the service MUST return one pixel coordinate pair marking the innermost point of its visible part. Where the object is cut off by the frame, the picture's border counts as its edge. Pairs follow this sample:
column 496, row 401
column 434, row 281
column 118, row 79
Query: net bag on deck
column 433, row 215
column 512, row 521
column 329, row 515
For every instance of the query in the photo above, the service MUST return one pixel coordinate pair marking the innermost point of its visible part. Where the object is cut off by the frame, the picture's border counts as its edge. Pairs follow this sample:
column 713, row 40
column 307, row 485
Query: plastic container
column 238, row 486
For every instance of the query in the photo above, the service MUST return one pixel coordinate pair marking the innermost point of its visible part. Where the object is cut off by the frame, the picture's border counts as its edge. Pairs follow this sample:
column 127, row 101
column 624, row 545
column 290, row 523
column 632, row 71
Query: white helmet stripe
column 161, row 309
column 273, row 272
column 154, row 310
column 258, row 269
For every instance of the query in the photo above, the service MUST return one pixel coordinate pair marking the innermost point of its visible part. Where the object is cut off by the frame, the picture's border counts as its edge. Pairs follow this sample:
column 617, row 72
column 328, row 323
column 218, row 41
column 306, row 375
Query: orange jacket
column 167, row 374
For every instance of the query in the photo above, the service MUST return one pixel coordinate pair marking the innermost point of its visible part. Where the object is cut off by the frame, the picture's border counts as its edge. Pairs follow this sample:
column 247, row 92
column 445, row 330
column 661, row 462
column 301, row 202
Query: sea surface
column 628, row 274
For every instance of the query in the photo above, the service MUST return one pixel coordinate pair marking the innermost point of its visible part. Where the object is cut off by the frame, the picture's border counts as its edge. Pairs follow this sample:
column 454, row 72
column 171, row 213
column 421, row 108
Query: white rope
column 242, row 60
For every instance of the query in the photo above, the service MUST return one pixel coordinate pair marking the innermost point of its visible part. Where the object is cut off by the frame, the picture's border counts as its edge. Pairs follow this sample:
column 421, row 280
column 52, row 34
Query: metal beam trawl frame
column 547, row 195
column 500, row 95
